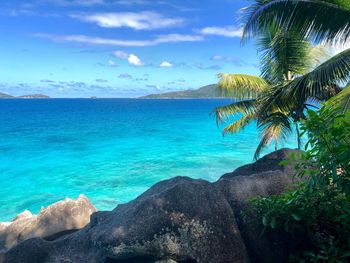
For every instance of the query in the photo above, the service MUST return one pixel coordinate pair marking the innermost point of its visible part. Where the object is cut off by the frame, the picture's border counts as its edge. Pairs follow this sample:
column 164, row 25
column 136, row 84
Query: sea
column 110, row 150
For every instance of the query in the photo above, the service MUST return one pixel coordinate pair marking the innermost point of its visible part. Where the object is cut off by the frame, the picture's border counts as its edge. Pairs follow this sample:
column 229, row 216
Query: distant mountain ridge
column 210, row 91
column 34, row 96
column 29, row 96
column 5, row 96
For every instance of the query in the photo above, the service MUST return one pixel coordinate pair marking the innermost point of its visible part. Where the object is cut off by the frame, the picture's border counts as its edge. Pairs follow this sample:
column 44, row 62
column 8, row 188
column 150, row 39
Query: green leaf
column 284, row 163
column 265, row 221
column 296, row 217
column 346, row 254
column 241, row 86
column 273, row 223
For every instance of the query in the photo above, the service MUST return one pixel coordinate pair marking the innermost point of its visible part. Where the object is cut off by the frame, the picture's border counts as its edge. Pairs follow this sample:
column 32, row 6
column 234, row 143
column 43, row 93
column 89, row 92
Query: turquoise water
column 111, row 150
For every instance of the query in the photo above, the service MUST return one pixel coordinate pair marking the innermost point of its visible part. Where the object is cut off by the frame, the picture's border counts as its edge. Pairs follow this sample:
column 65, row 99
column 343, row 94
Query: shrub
column 319, row 208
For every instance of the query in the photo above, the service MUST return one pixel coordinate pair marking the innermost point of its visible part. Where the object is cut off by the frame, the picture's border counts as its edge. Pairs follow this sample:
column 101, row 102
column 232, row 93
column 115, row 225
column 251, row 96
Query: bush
column 319, row 208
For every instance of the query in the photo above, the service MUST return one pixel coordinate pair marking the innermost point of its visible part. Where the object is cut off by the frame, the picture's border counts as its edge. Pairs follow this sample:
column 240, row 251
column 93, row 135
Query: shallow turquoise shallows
column 111, row 150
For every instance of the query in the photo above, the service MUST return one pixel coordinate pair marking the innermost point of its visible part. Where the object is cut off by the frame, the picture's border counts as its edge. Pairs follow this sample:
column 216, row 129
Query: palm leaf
column 275, row 127
column 240, row 86
column 246, row 107
column 275, row 100
column 321, row 82
column 238, row 124
column 318, row 54
column 265, row 140
column 340, row 103
column 320, row 20
column 284, row 54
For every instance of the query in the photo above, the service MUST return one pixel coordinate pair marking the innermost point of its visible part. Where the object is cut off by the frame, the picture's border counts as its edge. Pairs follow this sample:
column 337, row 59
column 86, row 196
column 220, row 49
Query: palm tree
column 287, row 89
column 326, row 21
column 280, row 56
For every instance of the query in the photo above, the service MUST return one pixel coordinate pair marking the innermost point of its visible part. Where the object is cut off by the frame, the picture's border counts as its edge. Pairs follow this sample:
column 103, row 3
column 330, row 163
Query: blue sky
column 119, row 48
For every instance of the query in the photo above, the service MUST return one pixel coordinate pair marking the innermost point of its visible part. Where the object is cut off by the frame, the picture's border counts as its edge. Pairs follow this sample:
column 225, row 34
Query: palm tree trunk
column 276, row 148
column 298, row 135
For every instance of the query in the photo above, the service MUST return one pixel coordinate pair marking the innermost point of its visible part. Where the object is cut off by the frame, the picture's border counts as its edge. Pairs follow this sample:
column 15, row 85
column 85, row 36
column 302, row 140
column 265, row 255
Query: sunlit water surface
column 111, row 150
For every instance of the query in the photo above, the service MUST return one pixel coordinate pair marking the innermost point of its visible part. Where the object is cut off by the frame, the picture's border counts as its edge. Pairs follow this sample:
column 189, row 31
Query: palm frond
column 318, row 54
column 284, row 54
column 340, row 103
column 246, row 107
column 316, row 19
column 240, row 86
column 321, row 82
column 238, row 124
column 275, row 100
column 275, row 127
column 265, row 140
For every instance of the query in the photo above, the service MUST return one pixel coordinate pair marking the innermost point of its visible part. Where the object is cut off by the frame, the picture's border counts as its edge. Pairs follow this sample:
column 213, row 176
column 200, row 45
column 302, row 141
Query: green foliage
column 241, row 86
column 293, row 72
column 329, row 140
column 321, row 82
column 320, row 20
column 321, row 215
column 320, row 208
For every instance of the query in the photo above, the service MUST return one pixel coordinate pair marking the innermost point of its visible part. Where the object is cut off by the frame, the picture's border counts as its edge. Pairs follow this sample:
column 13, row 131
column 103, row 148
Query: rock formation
column 53, row 221
column 176, row 220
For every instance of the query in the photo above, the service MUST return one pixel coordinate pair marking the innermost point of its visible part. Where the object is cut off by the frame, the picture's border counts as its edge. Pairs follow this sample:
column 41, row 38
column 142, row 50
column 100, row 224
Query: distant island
column 5, row 96
column 34, row 96
column 209, row 91
column 29, row 96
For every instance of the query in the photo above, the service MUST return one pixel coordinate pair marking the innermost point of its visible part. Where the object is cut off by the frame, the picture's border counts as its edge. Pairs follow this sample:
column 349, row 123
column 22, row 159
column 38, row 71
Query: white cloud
column 135, row 61
column 138, row 21
column 111, row 63
column 125, row 76
column 228, row 31
column 120, row 54
column 74, row 2
column 170, row 38
column 166, row 64
column 237, row 61
column 173, row 38
column 216, row 57
column 131, row 58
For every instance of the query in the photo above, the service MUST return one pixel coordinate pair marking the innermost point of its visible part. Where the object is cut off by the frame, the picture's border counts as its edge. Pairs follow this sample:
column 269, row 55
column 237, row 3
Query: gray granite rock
column 260, row 179
column 176, row 220
column 55, row 219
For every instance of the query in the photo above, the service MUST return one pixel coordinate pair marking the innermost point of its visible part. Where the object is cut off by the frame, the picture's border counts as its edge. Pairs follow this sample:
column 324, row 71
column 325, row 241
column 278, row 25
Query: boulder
column 176, row 220
column 52, row 221
column 263, row 178
column 179, row 219
column 268, row 163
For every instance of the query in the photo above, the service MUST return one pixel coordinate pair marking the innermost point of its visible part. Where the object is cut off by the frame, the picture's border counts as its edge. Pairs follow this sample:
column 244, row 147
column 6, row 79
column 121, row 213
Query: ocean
column 111, row 150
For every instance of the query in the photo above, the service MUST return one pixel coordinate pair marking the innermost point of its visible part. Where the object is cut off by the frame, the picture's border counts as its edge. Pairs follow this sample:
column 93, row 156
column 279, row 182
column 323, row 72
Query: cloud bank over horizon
column 119, row 48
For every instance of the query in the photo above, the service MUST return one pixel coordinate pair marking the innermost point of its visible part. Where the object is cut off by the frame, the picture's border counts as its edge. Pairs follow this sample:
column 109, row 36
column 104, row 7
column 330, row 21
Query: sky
column 120, row 48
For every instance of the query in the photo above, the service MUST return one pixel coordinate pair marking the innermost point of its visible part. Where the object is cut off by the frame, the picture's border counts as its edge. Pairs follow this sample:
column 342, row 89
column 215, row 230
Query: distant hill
column 5, row 96
column 34, row 96
column 209, row 91
column 29, row 96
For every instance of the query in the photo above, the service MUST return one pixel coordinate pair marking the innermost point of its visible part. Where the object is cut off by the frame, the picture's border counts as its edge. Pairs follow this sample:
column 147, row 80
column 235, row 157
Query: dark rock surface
column 268, row 163
column 177, row 220
column 262, row 178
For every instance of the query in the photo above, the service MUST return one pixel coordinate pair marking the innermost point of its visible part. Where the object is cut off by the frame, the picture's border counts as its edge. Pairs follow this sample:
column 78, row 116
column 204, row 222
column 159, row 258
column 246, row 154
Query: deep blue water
column 111, row 150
